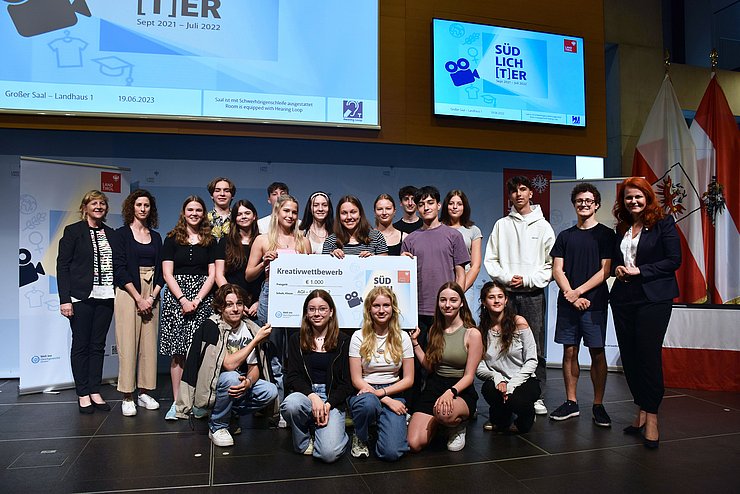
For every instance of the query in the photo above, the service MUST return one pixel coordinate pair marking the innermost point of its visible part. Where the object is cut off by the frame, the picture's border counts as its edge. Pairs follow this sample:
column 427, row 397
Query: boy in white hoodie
column 518, row 255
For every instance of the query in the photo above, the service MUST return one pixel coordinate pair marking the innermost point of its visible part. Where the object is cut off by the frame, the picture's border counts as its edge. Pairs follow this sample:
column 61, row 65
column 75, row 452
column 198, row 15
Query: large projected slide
column 262, row 60
column 508, row 74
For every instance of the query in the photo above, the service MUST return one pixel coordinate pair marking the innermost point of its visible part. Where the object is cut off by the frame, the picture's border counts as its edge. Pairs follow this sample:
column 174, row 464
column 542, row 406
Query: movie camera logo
column 43, row 359
column 352, row 110
column 460, row 72
column 34, row 17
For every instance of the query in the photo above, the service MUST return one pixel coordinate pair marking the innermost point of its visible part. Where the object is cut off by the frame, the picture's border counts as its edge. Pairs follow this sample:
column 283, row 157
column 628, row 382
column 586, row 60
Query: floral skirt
column 176, row 329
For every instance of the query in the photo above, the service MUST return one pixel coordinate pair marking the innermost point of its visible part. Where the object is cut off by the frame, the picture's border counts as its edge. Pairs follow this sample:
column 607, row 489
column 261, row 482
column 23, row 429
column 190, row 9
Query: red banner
column 540, row 188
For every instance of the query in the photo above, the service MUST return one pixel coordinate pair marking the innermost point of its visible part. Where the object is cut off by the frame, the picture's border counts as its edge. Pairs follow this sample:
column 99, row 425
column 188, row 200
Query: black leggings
column 640, row 331
column 520, row 402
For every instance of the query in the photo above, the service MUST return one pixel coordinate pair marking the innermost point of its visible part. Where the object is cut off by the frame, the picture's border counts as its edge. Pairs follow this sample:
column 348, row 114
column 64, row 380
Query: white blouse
column 628, row 246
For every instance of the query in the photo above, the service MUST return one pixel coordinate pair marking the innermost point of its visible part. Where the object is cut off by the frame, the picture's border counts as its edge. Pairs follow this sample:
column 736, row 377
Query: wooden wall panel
column 406, row 112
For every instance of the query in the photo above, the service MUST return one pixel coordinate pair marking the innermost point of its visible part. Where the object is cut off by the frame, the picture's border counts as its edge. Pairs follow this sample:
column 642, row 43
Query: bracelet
column 414, row 346
column 385, row 393
column 455, row 393
column 181, row 297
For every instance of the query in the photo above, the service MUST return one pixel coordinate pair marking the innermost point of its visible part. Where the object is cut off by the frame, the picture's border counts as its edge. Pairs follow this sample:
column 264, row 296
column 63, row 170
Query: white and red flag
column 717, row 140
column 666, row 156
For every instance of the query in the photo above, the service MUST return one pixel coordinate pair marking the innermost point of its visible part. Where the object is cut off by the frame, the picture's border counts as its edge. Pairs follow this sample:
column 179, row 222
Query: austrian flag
column 666, row 156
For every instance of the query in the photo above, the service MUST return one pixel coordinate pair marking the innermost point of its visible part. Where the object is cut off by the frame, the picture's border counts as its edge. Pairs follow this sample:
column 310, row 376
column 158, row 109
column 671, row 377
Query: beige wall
column 636, row 27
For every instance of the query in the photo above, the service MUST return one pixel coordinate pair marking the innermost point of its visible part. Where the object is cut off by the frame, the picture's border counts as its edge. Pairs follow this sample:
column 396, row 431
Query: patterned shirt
column 220, row 225
column 102, row 265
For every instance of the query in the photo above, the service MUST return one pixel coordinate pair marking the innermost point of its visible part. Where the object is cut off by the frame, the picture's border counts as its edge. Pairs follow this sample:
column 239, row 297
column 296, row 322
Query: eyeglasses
column 587, row 202
column 320, row 310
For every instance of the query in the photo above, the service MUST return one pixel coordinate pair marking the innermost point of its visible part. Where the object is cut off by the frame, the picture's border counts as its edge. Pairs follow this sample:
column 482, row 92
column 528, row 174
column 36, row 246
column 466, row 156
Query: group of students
column 226, row 360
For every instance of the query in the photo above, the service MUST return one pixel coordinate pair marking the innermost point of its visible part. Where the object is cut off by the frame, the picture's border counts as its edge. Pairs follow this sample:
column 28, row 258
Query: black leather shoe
column 86, row 410
column 101, row 406
column 631, row 430
column 651, row 443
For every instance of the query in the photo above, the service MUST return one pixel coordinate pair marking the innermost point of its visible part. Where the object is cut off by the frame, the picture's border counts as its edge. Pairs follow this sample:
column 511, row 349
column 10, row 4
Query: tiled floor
column 47, row 446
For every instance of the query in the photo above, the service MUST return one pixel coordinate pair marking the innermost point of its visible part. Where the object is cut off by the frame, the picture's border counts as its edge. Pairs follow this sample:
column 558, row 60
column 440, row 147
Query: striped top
column 376, row 246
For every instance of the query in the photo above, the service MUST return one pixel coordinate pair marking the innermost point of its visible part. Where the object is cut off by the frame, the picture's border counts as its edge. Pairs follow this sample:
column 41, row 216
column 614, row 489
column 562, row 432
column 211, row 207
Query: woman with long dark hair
column 232, row 254
column 318, row 220
column 317, row 377
column 646, row 260
column 453, row 352
column 456, row 214
column 353, row 235
column 137, row 272
column 85, row 285
column 188, row 265
column 378, row 354
column 509, row 362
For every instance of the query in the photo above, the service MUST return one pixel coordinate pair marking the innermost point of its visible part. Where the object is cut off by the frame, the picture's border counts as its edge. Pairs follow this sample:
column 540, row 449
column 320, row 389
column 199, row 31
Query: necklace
column 316, row 233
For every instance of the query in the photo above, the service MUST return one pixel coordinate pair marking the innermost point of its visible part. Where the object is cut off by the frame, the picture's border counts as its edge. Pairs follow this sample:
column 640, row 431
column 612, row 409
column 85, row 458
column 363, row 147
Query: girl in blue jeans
column 377, row 354
column 317, row 378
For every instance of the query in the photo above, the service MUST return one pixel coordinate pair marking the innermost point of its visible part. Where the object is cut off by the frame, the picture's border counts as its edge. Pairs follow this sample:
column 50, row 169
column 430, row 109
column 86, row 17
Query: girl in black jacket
column 317, row 377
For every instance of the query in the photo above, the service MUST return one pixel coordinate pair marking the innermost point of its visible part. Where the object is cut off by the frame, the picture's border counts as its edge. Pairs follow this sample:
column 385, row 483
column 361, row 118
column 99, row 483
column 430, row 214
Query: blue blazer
column 75, row 261
column 658, row 257
column 126, row 260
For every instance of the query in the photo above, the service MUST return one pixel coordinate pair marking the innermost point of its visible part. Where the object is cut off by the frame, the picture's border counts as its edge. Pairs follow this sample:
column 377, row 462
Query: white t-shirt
column 377, row 370
column 240, row 338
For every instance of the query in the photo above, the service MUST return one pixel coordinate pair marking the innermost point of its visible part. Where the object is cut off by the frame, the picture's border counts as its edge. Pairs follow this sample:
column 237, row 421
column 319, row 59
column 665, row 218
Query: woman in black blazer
column 137, row 265
column 646, row 260
column 85, row 283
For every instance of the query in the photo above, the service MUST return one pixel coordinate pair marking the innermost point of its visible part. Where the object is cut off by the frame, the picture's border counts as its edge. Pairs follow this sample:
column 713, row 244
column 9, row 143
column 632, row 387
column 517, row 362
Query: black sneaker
column 601, row 418
column 565, row 411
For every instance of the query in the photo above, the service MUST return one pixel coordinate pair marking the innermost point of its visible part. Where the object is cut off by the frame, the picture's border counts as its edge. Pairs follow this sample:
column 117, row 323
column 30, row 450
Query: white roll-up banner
column 50, row 196
column 562, row 217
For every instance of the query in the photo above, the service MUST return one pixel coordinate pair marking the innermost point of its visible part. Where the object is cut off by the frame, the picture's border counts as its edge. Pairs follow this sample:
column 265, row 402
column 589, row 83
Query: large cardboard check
column 348, row 280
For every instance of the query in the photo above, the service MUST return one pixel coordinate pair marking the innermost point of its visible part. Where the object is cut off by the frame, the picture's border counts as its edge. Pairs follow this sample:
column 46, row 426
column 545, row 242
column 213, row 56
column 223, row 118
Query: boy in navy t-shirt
column 581, row 263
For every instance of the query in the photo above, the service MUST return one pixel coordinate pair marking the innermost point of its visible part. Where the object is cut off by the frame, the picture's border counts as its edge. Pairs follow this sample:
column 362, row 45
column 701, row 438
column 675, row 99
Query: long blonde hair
column 393, row 343
column 272, row 233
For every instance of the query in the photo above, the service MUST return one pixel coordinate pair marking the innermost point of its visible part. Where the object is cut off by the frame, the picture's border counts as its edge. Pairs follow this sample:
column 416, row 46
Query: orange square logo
column 404, row 276
column 110, row 182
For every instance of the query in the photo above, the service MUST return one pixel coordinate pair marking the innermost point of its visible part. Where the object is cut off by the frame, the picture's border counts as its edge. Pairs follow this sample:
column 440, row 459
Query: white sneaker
column 309, row 449
column 540, row 408
column 147, row 402
column 171, row 413
column 456, row 439
column 359, row 449
column 128, row 408
column 221, row 438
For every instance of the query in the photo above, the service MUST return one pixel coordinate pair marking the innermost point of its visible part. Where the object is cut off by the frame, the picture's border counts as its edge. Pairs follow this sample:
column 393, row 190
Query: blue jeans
column 330, row 441
column 257, row 397
column 278, row 347
column 366, row 409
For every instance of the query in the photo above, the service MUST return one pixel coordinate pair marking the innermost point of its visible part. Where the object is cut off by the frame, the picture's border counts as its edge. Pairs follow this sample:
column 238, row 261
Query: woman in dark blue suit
column 85, row 284
column 646, row 260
